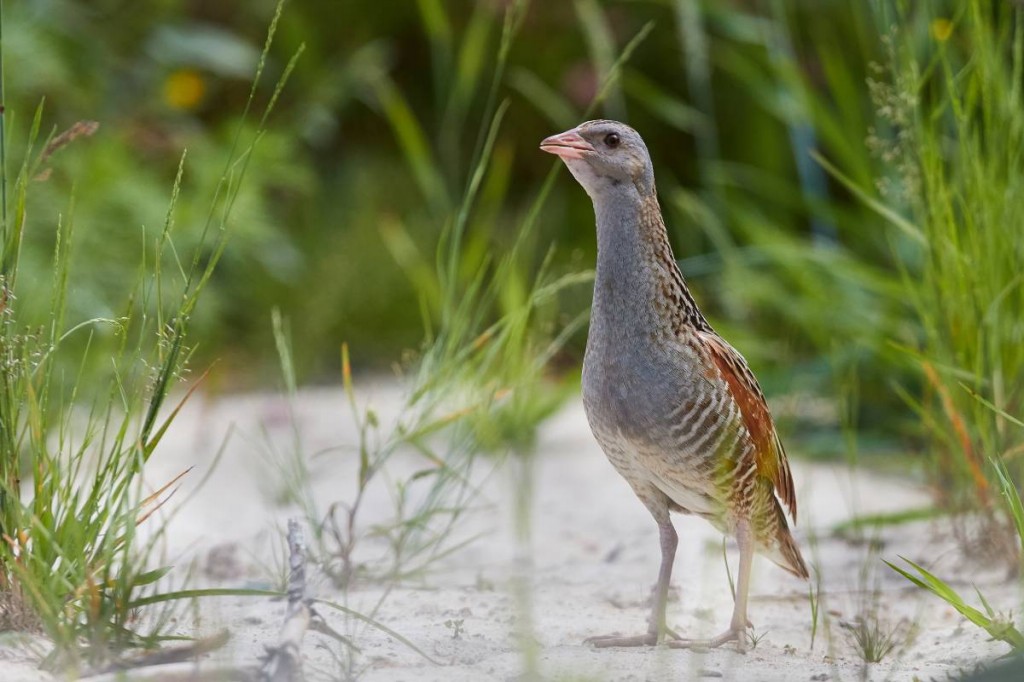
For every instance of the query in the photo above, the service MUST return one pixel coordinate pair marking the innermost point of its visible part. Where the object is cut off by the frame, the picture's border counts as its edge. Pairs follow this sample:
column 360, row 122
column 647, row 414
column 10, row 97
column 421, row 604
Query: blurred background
column 745, row 105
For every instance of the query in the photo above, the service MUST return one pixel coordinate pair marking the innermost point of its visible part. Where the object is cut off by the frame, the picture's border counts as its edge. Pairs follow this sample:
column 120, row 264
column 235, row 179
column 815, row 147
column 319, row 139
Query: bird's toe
column 605, row 641
column 739, row 636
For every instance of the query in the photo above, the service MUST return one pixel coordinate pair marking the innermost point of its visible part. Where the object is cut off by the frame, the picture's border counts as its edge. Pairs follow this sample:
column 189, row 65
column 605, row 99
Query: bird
column 675, row 408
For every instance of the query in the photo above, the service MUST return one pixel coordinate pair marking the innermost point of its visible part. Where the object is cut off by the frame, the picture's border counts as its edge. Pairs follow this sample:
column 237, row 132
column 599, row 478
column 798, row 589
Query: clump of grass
column 872, row 633
column 73, row 561
column 949, row 119
column 951, row 123
column 873, row 637
column 1000, row 626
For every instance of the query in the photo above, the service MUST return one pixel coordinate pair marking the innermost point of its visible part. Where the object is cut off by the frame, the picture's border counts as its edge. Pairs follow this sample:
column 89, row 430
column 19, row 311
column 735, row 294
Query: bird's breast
column 631, row 384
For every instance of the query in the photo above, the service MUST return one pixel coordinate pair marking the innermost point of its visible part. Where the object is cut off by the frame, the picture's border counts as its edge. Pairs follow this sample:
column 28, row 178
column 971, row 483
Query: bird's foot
column 605, row 641
column 647, row 639
column 733, row 634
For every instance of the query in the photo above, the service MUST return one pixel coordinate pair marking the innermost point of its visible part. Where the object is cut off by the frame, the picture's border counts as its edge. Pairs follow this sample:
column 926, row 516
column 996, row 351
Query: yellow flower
column 942, row 29
column 184, row 89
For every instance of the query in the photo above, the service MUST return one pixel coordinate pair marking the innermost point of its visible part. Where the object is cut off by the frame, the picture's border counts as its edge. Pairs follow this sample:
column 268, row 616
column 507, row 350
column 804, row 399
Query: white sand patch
column 594, row 560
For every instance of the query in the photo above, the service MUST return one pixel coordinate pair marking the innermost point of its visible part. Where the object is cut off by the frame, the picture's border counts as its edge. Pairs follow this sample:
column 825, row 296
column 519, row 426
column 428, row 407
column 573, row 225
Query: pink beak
column 567, row 145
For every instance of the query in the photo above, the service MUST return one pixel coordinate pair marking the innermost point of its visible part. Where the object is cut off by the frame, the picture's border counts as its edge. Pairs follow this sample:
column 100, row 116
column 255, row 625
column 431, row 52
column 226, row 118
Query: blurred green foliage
column 334, row 175
column 745, row 106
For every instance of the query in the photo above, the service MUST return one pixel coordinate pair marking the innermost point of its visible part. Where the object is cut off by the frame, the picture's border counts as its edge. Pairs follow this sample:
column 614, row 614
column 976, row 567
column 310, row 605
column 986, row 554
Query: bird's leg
column 740, row 623
column 656, row 627
column 669, row 542
column 737, row 631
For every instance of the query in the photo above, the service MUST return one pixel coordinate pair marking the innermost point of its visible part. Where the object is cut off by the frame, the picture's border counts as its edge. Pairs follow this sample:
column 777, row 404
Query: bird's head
column 604, row 156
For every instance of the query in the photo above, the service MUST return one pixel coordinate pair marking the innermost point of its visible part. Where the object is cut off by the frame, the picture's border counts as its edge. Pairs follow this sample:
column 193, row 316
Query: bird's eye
column 612, row 140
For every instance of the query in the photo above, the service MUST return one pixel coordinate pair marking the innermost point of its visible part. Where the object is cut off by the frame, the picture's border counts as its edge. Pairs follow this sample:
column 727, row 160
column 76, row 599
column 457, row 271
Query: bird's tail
column 784, row 551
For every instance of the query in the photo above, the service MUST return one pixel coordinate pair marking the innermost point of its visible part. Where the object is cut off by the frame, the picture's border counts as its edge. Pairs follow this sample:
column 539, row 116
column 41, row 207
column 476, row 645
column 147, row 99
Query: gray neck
column 625, row 281
column 639, row 292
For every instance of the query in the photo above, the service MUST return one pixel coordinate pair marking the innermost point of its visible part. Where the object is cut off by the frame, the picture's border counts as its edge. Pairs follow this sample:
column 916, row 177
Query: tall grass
column 903, row 272
column 480, row 382
column 73, row 561
column 951, row 126
column 949, row 132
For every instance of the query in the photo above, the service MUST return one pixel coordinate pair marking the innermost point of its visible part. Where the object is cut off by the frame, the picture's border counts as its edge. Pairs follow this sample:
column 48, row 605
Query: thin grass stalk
column 462, row 90
column 802, row 136
column 523, row 479
column 601, row 44
column 3, row 137
column 492, row 116
column 697, row 70
column 228, row 186
column 530, row 222
column 439, row 32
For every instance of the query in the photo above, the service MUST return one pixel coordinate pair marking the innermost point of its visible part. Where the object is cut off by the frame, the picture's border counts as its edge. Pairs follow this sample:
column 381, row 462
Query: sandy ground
column 592, row 560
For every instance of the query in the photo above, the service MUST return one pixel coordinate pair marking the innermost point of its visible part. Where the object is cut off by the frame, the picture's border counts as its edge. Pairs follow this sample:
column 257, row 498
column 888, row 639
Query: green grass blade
column 1003, row 631
column 413, row 143
column 547, row 100
column 601, row 43
column 377, row 625
column 1011, row 495
column 875, row 205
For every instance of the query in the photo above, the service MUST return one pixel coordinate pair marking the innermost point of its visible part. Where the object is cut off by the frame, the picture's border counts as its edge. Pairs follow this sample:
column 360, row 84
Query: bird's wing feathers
column 770, row 457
